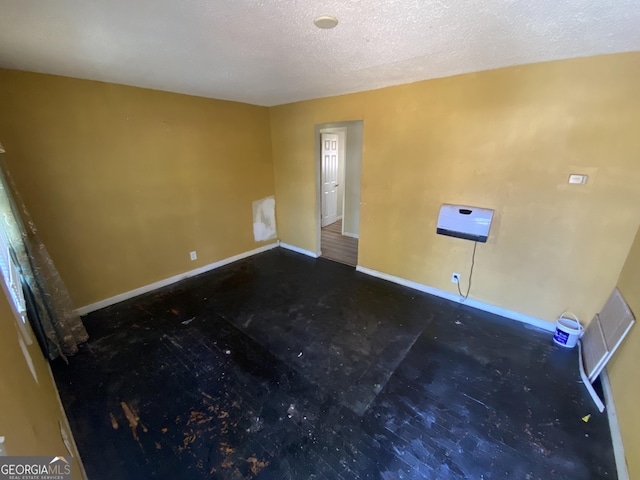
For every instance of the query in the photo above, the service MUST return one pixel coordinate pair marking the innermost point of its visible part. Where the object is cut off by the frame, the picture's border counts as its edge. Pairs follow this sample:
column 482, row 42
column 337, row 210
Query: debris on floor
column 133, row 418
column 410, row 396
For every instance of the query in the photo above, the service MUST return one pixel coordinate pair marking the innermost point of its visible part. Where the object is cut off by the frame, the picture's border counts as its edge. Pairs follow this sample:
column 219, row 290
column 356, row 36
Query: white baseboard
column 64, row 423
column 299, row 250
column 352, row 235
column 616, row 436
column 520, row 317
column 168, row 281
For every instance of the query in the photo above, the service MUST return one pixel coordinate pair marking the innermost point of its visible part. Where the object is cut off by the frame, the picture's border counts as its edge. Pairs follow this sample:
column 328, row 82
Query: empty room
column 319, row 240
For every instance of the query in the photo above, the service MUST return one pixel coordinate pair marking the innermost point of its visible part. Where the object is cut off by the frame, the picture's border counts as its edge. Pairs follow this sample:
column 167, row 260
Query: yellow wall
column 505, row 139
column 29, row 412
column 124, row 182
column 623, row 369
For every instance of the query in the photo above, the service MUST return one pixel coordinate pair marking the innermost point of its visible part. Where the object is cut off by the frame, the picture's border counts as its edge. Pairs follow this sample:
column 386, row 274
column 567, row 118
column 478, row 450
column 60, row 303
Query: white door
column 329, row 155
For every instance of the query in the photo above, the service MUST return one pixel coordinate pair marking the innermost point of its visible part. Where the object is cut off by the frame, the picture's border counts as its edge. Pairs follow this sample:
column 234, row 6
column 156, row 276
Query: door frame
column 342, row 146
column 324, row 128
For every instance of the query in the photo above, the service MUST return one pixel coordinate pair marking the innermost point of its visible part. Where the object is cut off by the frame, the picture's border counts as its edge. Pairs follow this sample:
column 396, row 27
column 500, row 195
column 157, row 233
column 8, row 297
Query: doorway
column 339, row 166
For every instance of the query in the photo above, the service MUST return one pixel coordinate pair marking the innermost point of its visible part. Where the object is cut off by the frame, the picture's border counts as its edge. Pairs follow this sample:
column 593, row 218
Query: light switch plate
column 578, row 179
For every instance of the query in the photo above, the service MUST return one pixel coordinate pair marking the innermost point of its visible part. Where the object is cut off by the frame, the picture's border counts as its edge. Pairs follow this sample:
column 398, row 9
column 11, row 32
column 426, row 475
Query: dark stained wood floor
column 282, row 366
column 338, row 247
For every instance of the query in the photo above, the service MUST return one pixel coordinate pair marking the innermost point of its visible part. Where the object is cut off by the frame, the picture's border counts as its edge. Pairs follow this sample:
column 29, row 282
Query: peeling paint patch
column 133, row 418
column 264, row 219
column 114, row 422
column 199, row 418
column 256, row 465
column 189, row 438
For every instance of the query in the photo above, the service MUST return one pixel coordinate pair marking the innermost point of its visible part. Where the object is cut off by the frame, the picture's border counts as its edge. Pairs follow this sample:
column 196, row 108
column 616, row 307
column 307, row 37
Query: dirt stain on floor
column 256, row 465
column 198, row 418
column 134, row 420
column 114, row 422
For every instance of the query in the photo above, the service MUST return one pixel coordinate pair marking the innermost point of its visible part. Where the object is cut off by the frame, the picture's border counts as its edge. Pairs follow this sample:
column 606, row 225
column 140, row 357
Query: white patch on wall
column 264, row 219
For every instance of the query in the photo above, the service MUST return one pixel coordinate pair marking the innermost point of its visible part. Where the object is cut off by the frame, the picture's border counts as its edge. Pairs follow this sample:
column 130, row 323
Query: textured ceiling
column 268, row 52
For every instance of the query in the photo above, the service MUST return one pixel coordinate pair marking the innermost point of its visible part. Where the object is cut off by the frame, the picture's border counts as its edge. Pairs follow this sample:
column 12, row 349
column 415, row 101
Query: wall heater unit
column 470, row 223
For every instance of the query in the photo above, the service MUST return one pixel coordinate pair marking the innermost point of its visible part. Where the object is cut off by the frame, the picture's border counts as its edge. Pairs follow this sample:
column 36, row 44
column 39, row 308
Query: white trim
column 168, row 281
column 352, row 235
column 29, row 360
column 586, row 382
column 520, row 317
column 64, row 423
column 299, row 250
column 318, row 130
column 616, row 435
column 21, row 320
column 607, row 357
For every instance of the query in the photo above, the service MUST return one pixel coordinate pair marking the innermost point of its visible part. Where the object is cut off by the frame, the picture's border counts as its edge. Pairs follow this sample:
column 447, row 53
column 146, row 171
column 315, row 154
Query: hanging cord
column 473, row 261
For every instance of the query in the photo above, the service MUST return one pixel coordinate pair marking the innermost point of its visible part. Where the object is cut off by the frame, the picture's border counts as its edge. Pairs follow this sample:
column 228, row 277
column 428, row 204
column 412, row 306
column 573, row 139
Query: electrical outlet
column 193, row 255
column 455, row 277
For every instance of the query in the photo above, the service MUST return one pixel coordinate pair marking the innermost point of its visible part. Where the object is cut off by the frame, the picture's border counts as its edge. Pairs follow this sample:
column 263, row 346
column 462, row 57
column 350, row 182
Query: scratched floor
column 285, row 367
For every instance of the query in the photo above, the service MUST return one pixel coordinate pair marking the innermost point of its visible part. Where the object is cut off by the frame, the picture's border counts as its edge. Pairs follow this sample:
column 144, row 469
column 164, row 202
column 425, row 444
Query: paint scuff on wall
column 264, row 219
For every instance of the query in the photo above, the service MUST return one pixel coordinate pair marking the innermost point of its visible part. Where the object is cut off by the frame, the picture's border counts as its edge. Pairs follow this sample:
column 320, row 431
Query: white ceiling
column 268, row 52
